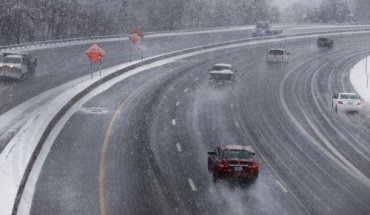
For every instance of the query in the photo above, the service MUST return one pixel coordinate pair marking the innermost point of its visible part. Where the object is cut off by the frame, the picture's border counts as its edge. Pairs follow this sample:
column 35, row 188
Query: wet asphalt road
column 156, row 151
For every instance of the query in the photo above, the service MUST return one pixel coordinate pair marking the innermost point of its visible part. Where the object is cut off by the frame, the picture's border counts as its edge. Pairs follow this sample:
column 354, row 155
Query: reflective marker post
column 91, row 70
column 129, row 47
column 366, row 66
column 100, row 66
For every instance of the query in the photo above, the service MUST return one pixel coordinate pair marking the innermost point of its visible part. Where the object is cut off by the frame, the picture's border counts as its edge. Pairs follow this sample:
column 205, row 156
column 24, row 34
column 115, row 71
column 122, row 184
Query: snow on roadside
column 359, row 78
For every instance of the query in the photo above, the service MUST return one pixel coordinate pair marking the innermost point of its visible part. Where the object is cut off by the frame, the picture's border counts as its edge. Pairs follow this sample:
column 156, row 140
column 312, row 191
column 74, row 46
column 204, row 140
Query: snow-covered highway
column 143, row 171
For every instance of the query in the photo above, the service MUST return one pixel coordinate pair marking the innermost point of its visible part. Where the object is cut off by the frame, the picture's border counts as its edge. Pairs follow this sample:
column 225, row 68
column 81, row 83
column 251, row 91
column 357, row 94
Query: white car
column 221, row 74
column 346, row 102
column 277, row 55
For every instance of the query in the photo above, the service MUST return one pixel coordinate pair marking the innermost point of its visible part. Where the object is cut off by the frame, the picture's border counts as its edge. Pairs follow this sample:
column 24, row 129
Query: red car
column 233, row 162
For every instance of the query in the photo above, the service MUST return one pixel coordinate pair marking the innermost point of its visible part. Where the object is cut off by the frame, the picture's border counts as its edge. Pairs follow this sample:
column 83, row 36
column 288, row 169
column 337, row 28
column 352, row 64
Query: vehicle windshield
column 220, row 68
column 349, row 96
column 262, row 25
column 276, row 52
column 12, row 60
column 237, row 154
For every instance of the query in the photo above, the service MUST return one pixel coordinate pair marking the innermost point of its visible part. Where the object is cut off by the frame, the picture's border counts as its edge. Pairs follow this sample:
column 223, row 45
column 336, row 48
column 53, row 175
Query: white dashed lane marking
column 237, row 124
column 178, row 146
column 177, row 103
column 281, row 186
column 173, row 121
column 197, row 78
column 186, row 90
column 192, row 185
column 232, row 105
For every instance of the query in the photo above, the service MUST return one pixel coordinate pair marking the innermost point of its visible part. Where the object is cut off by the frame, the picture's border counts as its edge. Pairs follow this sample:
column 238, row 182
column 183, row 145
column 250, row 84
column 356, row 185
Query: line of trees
column 25, row 21
column 35, row 20
column 329, row 11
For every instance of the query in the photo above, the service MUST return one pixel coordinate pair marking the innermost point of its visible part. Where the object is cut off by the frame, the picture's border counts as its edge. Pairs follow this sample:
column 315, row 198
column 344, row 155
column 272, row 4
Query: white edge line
column 192, row 185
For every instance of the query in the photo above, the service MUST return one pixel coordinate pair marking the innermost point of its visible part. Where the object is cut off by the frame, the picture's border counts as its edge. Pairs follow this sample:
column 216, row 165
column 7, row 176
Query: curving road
column 141, row 146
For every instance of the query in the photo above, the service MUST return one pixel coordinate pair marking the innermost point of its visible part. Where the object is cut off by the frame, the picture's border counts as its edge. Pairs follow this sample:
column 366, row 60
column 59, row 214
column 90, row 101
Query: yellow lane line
column 105, row 146
column 103, row 210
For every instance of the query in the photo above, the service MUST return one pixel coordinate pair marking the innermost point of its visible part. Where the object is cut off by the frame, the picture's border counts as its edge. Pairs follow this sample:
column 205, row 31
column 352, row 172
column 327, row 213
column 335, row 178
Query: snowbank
column 360, row 79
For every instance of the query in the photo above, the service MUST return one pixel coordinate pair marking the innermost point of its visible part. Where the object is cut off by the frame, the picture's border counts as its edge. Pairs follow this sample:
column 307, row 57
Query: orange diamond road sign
column 135, row 36
column 95, row 52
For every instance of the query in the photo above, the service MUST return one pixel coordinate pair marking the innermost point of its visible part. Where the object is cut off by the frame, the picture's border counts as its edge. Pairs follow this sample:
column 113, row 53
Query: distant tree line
column 34, row 20
column 329, row 11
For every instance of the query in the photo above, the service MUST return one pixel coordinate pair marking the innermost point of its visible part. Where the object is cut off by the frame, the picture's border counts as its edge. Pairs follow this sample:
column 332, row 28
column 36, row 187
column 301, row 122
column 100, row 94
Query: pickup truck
column 277, row 55
column 17, row 65
column 325, row 42
column 221, row 74
column 264, row 29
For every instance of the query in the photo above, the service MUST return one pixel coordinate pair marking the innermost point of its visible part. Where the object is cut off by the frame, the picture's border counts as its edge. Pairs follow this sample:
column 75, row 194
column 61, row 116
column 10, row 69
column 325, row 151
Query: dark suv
column 233, row 162
column 325, row 42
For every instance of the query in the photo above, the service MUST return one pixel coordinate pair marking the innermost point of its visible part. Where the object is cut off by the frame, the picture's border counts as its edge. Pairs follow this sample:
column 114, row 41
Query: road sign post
column 95, row 53
column 135, row 36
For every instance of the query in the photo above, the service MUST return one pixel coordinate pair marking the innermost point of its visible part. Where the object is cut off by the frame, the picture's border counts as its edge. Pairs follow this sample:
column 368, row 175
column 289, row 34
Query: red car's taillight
column 340, row 102
column 358, row 103
column 222, row 165
column 253, row 166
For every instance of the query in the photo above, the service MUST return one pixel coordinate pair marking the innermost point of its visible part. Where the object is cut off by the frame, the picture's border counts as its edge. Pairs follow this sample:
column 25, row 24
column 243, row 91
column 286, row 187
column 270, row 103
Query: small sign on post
column 95, row 53
column 135, row 36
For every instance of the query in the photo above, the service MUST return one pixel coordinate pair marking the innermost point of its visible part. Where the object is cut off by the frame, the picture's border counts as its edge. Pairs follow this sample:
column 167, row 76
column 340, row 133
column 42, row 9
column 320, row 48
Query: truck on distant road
column 264, row 29
column 17, row 65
